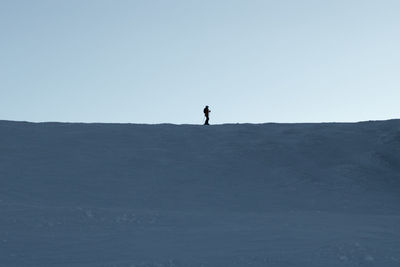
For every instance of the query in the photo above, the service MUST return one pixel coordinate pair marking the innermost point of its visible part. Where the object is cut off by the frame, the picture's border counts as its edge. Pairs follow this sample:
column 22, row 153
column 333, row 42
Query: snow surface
column 185, row 195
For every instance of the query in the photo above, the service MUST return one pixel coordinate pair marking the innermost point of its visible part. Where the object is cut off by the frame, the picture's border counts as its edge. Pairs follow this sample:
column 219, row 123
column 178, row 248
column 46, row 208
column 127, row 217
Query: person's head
column 206, row 106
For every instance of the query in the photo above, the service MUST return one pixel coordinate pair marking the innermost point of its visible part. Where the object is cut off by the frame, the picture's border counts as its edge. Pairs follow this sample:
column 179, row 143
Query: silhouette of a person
column 206, row 113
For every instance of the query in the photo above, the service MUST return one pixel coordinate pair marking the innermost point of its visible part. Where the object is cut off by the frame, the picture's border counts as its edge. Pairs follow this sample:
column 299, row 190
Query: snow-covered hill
column 224, row 195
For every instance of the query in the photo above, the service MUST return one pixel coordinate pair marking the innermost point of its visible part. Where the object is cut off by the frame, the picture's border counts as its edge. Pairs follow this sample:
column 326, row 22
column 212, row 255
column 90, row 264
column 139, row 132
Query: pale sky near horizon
column 162, row 61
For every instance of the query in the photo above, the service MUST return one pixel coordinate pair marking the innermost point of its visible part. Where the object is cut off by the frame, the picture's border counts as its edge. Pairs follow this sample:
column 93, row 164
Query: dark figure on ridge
column 206, row 113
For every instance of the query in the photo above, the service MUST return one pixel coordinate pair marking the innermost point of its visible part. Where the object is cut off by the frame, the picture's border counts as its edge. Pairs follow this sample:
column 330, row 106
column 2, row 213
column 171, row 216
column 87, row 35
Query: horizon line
column 200, row 124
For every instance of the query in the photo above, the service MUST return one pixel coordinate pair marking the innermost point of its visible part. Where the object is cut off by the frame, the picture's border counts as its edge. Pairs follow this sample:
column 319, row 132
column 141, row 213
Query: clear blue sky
column 162, row 61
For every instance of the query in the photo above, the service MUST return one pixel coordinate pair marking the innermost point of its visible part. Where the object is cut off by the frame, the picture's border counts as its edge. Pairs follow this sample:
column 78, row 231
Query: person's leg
column 206, row 123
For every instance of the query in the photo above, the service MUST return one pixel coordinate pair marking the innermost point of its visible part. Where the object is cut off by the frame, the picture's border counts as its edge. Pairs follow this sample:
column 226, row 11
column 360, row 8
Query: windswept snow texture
column 225, row 195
